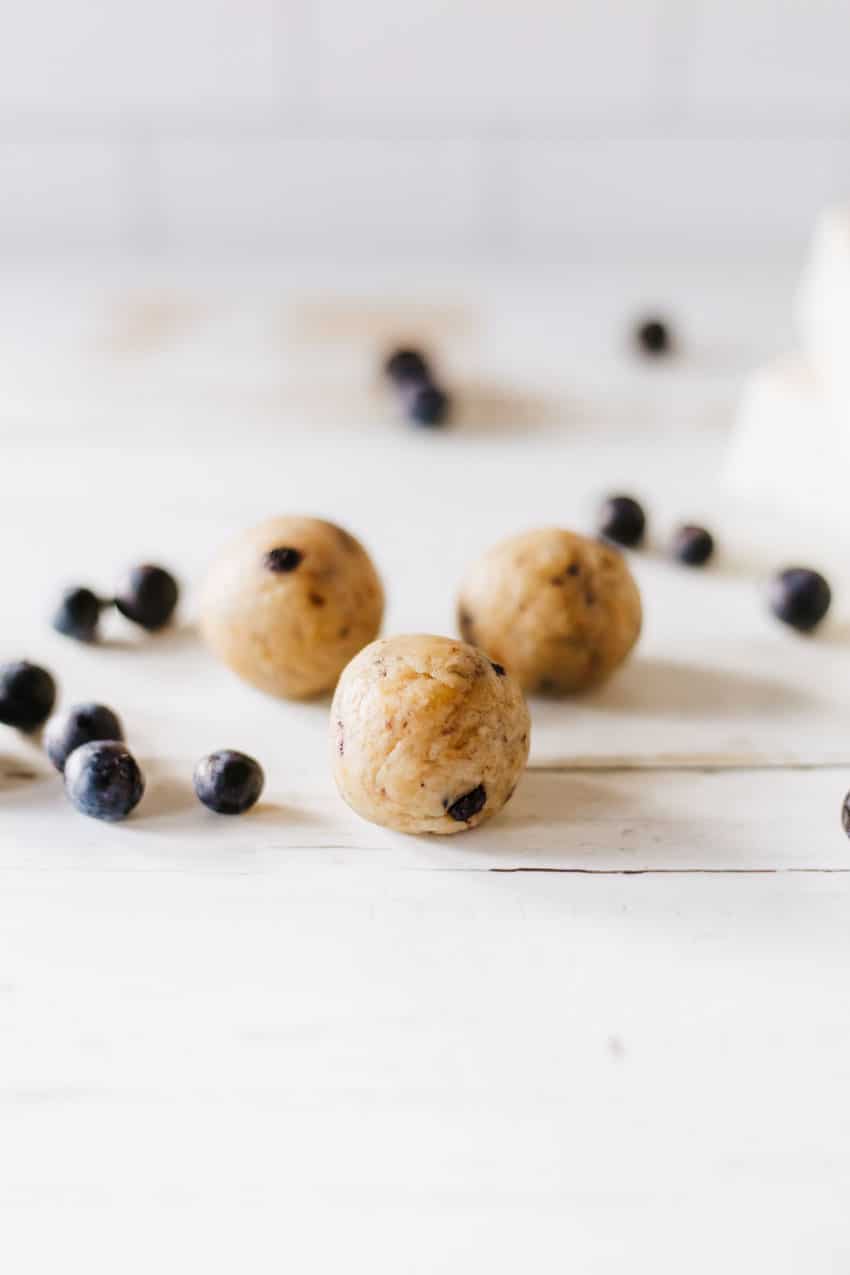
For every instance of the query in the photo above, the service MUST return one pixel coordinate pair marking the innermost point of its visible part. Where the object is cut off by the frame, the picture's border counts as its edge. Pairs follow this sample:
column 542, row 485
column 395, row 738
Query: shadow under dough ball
column 287, row 604
column 427, row 735
column 559, row 611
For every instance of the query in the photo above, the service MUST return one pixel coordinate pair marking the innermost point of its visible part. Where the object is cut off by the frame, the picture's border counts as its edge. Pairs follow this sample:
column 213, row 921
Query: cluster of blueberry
column 86, row 745
column 147, row 595
column 798, row 596
column 423, row 400
column 86, row 742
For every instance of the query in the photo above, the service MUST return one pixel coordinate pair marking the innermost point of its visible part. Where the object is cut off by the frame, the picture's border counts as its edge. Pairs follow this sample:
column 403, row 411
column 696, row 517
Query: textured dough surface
column 421, row 723
column 560, row 611
column 291, row 632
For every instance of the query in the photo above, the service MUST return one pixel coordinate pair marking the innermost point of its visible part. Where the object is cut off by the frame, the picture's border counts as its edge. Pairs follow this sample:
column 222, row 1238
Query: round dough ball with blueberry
column 288, row 603
column 561, row 612
column 427, row 734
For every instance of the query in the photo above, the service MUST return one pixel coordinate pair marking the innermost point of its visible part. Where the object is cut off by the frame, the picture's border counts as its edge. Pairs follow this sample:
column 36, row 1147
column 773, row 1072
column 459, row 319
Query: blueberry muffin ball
column 427, row 734
column 288, row 603
column 559, row 611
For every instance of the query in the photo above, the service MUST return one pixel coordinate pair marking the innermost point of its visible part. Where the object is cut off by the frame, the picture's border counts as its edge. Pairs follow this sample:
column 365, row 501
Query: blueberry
column 228, row 782
column 498, row 669
column 406, row 367
column 622, row 520
column 427, row 404
column 27, row 695
column 103, row 780
column 77, row 614
column 653, row 337
column 148, row 596
column 693, row 545
column 469, row 804
column 79, row 725
column 283, row 559
column 845, row 815
column 799, row 597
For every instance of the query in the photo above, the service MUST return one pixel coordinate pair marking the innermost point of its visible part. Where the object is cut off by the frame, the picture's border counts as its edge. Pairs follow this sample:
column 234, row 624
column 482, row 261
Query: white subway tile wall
column 512, row 129
column 248, row 195
column 478, row 63
column 107, row 60
column 63, row 197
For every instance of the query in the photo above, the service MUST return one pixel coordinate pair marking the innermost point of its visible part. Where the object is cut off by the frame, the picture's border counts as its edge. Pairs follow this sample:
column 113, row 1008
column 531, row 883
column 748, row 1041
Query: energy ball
column 427, row 734
column 288, row 603
column 561, row 612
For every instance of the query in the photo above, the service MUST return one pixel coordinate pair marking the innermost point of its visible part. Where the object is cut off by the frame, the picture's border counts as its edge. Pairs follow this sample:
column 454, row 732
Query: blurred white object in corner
column 791, row 442
column 823, row 308
column 789, row 449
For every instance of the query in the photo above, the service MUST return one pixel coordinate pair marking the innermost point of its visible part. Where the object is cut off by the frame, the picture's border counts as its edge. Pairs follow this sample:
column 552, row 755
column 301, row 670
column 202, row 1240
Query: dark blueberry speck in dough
column 27, row 695
column 799, row 597
column 283, row 559
column 469, row 804
column 498, row 669
column 622, row 520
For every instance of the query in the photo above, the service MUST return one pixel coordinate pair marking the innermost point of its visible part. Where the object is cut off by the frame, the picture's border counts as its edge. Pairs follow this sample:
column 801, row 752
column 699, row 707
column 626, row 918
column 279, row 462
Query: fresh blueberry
column 228, row 782
column 283, row 559
column 799, row 597
column 469, row 804
column 103, row 780
column 693, row 545
column 427, row 404
column 653, row 337
column 845, row 815
column 27, row 695
column 406, row 367
column 77, row 614
column 148, row 596
column 77, row 726
column 622, row 520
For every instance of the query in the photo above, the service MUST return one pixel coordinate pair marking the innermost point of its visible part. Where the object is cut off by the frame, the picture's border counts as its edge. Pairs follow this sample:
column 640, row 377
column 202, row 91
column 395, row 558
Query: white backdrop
column 420, row 128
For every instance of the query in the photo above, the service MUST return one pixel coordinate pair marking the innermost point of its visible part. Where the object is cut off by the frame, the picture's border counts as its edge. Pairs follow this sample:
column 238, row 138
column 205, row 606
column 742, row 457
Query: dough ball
column 287, row 604
column 561, row 612
column 427, row 734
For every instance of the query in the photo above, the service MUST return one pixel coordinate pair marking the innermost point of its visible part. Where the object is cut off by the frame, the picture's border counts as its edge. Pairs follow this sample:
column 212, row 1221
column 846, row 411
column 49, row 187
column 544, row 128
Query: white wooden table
column 610, row 1031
